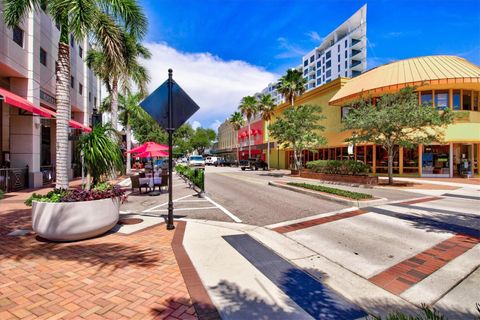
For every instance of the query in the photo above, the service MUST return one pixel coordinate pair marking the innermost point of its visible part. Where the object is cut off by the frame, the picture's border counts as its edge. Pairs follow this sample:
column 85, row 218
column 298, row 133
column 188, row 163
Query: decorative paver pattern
column 407, row 273
column 318, row 221
column 109, row 277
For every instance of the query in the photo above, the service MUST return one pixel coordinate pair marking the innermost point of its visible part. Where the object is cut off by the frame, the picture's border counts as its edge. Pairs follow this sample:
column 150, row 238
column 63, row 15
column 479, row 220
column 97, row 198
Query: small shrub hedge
column 335, row 191
column 196, row 176
column 346, row 167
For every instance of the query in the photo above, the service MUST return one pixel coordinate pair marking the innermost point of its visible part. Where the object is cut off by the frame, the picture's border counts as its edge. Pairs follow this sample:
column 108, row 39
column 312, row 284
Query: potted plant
column 76, row 214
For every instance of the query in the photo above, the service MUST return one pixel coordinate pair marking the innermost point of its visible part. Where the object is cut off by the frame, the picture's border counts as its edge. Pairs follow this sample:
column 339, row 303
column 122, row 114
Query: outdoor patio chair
column 141, row 175
column 135, row 179
column 163, row 183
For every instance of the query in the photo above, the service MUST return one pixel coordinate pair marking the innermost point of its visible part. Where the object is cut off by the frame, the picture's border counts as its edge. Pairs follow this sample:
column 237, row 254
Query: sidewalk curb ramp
column 324, row 196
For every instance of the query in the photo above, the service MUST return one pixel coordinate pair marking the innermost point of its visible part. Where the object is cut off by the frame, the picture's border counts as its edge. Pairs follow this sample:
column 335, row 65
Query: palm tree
column 96, row 20
column 130, row 108
column 237, row 121
column 267, row 106
column 292, row 85
column 121, row 71
column 249, row 108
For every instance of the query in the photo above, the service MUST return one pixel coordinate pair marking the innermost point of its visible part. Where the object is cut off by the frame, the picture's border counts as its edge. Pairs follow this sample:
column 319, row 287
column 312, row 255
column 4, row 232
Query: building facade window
column 80, row 88
column 426, row 98
column 89, row 96
column 319, row 64
column 18, row 36
column 305, row 63
column 328, row 55
column 346, row 43
column 329, row 73
column 346, row 54
column 346, row 73
column 467, row 100
column 94, row 101
column 329, row 63
column 441, row 99
column 312, row 58
column 338, row 47
column 456, row 100
column 338, row 58
column 475, row 101
column 43, row 57
column 346, row 64
column 72, row 82
column 80, row 51
column 338, row 68
column 72, row 41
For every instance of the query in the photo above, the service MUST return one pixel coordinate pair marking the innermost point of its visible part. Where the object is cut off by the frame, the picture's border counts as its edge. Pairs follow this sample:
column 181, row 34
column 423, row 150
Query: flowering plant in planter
column 102, row 191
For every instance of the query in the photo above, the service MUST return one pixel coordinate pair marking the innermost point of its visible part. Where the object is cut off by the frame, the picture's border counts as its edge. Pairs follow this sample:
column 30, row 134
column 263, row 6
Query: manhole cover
column 130, row 221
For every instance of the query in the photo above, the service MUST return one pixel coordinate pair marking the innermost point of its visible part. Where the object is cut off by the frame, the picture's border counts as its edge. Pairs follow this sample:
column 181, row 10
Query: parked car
column 253, row 164
column 221, row 162
column 196, row 161
column 210, row 160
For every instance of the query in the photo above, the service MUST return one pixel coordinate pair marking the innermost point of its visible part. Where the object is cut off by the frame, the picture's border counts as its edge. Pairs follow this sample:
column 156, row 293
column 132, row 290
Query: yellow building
column 444, row 81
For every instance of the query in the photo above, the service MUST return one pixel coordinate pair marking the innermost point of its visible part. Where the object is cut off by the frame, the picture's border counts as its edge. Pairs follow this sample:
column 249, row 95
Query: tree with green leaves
column 121, row 72
column 249, row 108
column 396, row 119
column 202, row 139
column 237, row 121
column 267, row 106
column 101, row 153
column 96, row 20
column 182, row 139
column 292, row 85
column 298, row 128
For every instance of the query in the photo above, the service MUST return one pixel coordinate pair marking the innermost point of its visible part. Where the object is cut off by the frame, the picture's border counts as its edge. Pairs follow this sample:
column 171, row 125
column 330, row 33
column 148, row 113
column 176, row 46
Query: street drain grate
column 128, row 221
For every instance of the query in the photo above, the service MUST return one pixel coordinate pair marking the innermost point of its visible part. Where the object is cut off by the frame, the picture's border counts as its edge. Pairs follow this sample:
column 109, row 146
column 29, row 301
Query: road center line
column 228, row 213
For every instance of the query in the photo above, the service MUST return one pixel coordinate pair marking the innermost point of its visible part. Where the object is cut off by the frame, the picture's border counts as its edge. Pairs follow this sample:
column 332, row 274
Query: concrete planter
column 70, row 221
column 362, row 180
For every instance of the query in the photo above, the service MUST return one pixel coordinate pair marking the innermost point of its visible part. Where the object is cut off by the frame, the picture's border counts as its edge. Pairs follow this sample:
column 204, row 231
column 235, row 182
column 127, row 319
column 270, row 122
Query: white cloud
column 216, row 85
column 288, row 50
column 215, row 125
column 314, row 36
column 196, row 124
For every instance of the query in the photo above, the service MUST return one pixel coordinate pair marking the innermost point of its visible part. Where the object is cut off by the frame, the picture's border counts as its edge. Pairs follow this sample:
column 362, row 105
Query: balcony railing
column 13, row 179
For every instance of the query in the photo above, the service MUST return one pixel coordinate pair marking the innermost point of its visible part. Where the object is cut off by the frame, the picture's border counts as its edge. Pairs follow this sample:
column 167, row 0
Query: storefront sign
column 46, row 97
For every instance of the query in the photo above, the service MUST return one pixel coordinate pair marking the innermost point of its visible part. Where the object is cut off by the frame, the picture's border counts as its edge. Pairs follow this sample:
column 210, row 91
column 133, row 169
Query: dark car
column 223, row 163
column 253, row 164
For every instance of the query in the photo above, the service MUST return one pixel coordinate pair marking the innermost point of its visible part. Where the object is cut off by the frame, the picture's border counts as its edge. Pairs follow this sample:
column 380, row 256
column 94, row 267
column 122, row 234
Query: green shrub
column 2, row 194
column 55, row 195
column 348, row 167
column 335, row 191
column 196, row 176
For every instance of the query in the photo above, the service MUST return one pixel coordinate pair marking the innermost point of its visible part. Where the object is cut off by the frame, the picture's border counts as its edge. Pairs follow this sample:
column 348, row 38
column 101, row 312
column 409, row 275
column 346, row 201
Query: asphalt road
column 248, row 196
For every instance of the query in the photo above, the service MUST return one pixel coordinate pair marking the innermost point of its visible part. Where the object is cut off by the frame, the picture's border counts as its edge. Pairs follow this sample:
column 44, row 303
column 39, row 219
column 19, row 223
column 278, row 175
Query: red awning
column 78, row 125
column 22, row 103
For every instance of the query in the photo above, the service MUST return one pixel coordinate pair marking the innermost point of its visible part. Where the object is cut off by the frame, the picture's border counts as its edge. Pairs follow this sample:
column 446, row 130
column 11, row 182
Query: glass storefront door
column 436, row 160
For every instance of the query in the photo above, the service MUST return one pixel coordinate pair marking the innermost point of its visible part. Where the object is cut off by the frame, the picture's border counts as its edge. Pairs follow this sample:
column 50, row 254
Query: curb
column 354, row 203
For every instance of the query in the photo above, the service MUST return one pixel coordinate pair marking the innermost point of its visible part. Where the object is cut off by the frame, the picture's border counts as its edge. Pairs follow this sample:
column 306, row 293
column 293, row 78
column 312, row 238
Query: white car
column 196, row 161
column 210, row 160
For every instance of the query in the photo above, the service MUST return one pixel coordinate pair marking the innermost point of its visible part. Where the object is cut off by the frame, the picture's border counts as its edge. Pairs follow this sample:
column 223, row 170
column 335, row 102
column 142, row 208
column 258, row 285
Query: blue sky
column 216, row 45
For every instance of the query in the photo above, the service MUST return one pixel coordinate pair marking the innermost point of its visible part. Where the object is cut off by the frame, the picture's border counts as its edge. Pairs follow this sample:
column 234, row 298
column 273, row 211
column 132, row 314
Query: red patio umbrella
column 149, row 147
column 152, row 154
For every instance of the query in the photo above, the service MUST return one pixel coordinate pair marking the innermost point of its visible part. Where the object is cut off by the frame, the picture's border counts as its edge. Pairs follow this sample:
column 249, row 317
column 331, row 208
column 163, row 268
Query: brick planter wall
column 367, row 180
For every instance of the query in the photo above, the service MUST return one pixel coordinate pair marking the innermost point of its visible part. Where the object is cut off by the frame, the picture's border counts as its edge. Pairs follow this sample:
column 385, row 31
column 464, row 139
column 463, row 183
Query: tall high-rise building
column 342, row 53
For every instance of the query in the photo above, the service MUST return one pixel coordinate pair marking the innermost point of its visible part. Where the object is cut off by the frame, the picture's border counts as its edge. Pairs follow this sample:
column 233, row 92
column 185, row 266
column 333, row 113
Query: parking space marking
column 183, row 209
column 164, row 204
column 228, row 213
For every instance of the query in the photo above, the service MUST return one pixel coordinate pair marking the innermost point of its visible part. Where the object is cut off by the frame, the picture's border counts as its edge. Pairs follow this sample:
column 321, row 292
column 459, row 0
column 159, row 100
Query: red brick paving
column 318, row 221
column 109, row 277
column 407, row 273
column 415, row 201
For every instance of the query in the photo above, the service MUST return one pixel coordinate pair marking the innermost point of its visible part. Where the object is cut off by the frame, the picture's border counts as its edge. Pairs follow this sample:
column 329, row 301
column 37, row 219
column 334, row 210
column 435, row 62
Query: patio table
column 151, row 182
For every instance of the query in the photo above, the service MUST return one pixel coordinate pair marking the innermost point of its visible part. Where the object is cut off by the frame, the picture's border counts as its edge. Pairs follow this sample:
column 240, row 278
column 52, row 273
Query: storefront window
column 456, row 100
column 369, row 155
column 331, row 154
column 475, row 101
column 360, row 152
column 441, row 100
column 467, row 100
column 426, row 98
column 382, row 160
column 435, row 160
column 338, row 153
column 410, row 160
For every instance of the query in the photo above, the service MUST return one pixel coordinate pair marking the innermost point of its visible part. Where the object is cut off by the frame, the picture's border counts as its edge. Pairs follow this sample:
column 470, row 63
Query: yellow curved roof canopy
column 410, row 72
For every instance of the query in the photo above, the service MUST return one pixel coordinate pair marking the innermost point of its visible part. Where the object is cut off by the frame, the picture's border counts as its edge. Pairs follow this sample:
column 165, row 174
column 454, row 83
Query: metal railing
column 13, row 179
column 48, row 174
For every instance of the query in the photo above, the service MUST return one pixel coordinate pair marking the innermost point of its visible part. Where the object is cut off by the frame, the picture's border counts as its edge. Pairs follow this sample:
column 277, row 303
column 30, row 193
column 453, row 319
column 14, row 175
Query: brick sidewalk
column 110, row 277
